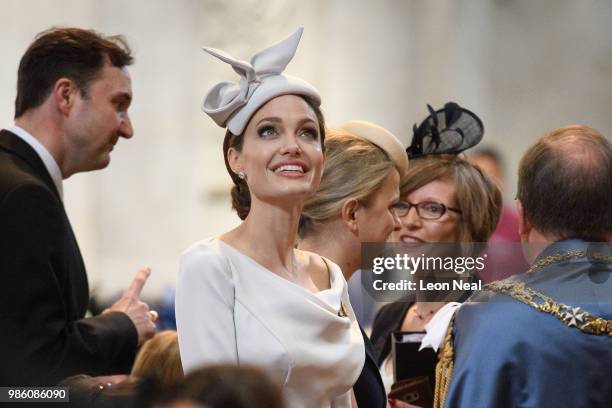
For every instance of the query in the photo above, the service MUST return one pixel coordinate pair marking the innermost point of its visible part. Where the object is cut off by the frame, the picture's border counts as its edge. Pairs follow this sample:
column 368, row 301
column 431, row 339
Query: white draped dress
column 230, row 309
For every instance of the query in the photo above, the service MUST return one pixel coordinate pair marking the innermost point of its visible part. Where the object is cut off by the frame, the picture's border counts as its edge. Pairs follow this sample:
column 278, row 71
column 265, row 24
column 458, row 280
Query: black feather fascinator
column 449, row 130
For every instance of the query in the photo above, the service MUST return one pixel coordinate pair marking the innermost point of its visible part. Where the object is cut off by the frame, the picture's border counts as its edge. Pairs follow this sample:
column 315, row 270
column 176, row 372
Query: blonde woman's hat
column 382, row 138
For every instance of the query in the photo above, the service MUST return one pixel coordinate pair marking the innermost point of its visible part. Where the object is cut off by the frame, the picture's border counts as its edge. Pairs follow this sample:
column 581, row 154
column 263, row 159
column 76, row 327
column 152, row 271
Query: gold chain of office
column 571, row 316
column 565, row 256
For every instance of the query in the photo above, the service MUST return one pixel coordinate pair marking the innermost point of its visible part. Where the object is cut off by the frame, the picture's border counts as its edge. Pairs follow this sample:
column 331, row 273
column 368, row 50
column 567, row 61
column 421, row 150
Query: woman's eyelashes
column 270, row 131
column 267, row 131
column 310, row 133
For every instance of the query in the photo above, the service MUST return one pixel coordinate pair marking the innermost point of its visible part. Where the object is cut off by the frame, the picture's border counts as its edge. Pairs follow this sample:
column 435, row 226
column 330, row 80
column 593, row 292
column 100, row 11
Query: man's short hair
column 565, row 184
column 72, row 53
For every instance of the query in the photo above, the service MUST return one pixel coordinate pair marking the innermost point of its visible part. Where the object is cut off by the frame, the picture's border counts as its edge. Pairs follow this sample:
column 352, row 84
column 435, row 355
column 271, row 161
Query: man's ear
column 64, row 93
column 349, row 214
column 524, row 227
column 234, row 158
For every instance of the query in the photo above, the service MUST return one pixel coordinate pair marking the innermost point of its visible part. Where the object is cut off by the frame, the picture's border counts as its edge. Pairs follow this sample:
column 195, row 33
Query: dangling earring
column 241, row 175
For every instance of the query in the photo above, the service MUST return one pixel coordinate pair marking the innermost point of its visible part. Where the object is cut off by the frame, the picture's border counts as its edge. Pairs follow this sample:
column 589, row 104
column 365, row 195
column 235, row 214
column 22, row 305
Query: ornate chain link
column 564, row 256
column 549, row 260
column 571, row 316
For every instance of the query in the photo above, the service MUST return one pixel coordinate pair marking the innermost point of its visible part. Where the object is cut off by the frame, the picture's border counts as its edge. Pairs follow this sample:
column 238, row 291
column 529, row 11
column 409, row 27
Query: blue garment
column 508, row 354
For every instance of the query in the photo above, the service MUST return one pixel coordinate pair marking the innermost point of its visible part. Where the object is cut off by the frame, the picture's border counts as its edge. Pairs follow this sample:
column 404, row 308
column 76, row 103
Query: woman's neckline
column 332, row 278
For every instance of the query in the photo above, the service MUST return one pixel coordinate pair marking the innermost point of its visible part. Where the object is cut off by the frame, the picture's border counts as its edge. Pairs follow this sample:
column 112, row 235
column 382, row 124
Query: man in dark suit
column 73, row 93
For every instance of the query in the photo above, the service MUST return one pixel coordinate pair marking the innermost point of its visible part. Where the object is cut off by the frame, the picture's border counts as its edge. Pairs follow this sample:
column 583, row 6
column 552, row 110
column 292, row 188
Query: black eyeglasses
column 427, row 210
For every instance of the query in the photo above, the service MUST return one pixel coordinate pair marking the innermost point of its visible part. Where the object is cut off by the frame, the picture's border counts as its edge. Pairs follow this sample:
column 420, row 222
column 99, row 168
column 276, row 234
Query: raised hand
column 136, row 309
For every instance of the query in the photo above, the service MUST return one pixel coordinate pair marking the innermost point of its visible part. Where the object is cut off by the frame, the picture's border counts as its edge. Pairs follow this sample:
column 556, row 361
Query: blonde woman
column 248, row 296
column 355, row 204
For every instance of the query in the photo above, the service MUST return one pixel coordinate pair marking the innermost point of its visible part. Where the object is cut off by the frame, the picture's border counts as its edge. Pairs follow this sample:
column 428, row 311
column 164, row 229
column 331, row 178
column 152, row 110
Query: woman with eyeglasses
column 444, row 199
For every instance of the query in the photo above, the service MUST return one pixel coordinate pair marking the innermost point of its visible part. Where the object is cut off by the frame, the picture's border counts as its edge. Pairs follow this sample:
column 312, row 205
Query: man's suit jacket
column 45, row 293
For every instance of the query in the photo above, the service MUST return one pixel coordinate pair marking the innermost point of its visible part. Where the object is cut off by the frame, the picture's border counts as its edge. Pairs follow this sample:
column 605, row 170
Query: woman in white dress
column 248, row 296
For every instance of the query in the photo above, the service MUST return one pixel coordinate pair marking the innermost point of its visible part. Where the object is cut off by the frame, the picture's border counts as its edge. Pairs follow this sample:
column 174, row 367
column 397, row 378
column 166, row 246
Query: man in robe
column 544, row 338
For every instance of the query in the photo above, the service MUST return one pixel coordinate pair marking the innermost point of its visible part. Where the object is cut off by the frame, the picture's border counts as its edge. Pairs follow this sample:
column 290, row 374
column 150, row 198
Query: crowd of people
column 263, row 312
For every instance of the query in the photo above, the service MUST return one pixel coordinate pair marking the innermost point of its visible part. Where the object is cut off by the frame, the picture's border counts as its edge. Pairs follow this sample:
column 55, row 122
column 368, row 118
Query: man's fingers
column 138, row 283
column 146, row 331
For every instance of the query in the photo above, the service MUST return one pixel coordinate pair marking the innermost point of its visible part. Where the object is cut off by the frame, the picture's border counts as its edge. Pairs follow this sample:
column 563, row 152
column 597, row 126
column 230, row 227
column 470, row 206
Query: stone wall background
column 524, row 66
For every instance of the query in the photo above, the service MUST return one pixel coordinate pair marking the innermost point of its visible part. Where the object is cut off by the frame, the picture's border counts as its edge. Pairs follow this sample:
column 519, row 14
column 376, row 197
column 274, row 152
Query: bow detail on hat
column 225, row 98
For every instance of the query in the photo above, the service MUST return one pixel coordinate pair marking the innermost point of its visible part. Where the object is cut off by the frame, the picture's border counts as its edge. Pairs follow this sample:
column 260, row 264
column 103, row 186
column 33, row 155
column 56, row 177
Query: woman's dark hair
column 241, row 196
column 89, row 392
column 226, row 386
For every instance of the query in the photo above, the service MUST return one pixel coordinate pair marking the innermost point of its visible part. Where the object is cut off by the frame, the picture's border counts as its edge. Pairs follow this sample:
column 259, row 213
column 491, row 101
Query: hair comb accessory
column 449, row 130
column 231, row 104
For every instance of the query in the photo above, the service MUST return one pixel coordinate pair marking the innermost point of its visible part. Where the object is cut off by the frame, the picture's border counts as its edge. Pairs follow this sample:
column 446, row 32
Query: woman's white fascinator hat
column 231, row 104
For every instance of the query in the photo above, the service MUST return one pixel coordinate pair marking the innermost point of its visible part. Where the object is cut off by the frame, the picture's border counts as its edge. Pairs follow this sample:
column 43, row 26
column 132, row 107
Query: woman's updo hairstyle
column 354, row 168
